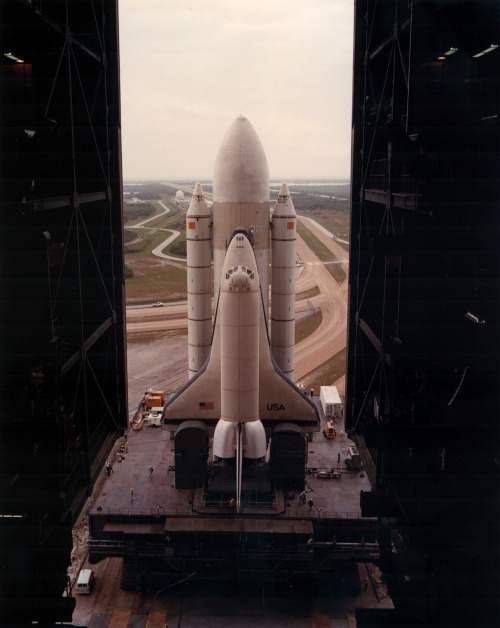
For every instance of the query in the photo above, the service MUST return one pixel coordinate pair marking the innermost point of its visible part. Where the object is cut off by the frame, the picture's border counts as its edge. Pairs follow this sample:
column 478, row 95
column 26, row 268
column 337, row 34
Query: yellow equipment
column 329, row 430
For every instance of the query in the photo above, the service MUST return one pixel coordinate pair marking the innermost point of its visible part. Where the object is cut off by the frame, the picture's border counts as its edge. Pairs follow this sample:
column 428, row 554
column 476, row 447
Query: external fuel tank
column 241, row 198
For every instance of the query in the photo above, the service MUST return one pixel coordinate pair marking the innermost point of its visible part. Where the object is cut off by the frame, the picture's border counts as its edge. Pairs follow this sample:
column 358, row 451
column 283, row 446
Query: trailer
column 330, row 402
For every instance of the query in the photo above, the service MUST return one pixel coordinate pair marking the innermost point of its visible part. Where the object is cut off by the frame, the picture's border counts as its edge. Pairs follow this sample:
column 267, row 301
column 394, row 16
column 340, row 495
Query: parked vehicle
column 329, row 430
column 85, row 582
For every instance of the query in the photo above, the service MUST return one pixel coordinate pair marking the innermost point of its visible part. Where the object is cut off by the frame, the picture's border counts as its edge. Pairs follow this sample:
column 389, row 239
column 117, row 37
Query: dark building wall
column 62, row 328
column 423, row 336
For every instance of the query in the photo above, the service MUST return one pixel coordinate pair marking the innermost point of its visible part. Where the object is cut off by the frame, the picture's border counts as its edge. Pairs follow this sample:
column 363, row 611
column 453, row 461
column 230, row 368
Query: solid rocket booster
column 241, row 198
column 283, row 256
column 199, row 282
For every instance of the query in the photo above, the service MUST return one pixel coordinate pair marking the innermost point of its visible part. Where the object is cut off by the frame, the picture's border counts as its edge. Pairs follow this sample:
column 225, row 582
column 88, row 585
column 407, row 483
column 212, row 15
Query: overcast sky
column 189, row 67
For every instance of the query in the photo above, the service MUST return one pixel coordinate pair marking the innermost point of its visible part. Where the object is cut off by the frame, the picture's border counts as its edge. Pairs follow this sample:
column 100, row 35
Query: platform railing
column 160, row 512
column 358, row 551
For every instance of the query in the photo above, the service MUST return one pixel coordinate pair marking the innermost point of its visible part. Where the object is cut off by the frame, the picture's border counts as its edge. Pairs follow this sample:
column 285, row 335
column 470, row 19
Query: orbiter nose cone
column 241, row 173
column 240, row 264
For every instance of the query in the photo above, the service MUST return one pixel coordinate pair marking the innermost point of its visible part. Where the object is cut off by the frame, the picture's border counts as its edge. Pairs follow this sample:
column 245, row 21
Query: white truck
column 85, row 582
column 330, row 402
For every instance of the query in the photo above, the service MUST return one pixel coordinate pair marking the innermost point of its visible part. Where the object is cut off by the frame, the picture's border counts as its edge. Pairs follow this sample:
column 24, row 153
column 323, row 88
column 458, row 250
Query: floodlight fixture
column 9, row 55
column 483, row 52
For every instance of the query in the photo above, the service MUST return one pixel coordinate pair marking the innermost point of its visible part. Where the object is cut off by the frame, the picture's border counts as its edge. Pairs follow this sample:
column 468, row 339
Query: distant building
column 134, row 201
column 179, row 196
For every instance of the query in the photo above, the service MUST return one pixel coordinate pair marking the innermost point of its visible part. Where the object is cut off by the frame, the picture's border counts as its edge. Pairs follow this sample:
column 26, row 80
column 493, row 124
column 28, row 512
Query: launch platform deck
column 137, row 516
column 333, row 496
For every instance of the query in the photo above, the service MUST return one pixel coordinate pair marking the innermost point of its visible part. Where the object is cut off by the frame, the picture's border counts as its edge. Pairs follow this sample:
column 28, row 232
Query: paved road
column 330, row 337
column 189, row 190
column 141, row 224
column 173, row 235
column 312, row 223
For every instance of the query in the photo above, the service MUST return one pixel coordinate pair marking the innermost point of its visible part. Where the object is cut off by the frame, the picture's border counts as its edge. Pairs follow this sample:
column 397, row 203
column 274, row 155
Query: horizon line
column 272, row 179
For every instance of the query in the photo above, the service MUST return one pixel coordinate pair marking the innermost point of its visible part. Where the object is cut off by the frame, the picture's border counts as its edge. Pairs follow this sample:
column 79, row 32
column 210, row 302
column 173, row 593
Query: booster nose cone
column 198, row 205
column 284, row 204
column 241, row 174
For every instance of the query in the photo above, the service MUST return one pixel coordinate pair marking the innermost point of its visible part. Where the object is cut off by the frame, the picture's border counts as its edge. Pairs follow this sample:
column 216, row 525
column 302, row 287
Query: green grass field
column 149, row 240
column 327, row 373
column 307, row 325
column 340, row 230
column 156, row 283
column 322, row 252
column 155, row 279
column 307, row 294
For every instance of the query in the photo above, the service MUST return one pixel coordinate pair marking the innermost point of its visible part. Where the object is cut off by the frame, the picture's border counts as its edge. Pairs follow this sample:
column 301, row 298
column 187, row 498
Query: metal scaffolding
column 422, row 370
column 63, row 369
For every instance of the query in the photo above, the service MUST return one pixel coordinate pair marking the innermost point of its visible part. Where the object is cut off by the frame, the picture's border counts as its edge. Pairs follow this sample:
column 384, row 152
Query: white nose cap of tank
column 198, row 205
column 241, row 174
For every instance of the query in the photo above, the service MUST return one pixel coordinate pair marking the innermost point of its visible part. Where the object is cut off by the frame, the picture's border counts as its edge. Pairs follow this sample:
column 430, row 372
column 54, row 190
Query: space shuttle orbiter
column 241, row 376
